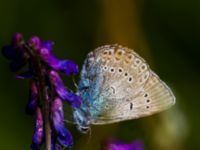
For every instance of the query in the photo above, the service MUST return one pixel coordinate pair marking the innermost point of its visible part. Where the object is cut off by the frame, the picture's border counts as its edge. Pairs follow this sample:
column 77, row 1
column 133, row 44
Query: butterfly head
column 82, row 120
column 84, row 129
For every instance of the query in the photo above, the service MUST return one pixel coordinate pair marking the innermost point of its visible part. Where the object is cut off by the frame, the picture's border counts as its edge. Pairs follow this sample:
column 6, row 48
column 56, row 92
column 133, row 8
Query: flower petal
column 17, row 39
column 61, row 90
column 113, row 144
column 35, row 147
column 9, row 52
column 67, row 67
column 54, row 146
column 39, row 133
column 35, row 42
column 57, row 115
column 138, row 145
column 17, row 64
column 25, row 75
column 33, row 98
column 64, row 136
column 48, row 45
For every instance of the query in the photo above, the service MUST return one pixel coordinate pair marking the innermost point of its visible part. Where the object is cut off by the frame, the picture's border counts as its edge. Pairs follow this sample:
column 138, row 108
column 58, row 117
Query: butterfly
column 116, row 85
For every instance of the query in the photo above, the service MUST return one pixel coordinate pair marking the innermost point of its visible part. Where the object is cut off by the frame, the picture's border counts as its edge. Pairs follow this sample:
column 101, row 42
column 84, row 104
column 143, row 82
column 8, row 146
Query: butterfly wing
column 121, row 86
column 155, row 97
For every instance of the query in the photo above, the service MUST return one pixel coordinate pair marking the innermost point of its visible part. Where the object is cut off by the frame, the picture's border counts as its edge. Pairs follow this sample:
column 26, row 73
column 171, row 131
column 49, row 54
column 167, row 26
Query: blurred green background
column 166, row 33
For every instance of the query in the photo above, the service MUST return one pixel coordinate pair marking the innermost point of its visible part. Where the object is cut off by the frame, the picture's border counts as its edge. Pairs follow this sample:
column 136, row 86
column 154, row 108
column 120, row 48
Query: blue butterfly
column 116, row 85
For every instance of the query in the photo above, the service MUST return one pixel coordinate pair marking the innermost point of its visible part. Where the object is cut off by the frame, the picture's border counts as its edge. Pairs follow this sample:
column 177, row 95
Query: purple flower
column 17, row 39
column 33, row 98
column 67, row 67
column 24, row 75
column 48, row 45
column 45, row 88
column 39, row 133
column 17, row 64
column 62, row 91
column 35, row 42
column 54, row 146
column 9, row 52
column 44, row 49
column 113, row 144
column 64, row 136
column 16, row 53
column 38, row 44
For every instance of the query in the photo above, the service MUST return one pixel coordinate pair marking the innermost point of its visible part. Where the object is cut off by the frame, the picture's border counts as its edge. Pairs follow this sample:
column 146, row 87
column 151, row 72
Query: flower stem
column 39, row 71
column 47, row 126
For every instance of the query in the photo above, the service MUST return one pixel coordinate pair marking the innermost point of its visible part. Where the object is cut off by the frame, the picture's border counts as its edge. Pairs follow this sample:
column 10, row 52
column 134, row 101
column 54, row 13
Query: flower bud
column 35, row 42
column 64, row 136
column 48, row 45
column 39, row 133
column 17, row 39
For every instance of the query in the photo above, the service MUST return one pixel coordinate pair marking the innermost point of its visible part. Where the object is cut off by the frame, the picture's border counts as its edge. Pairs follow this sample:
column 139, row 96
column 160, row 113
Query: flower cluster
column 46, row 89
column 113, row 144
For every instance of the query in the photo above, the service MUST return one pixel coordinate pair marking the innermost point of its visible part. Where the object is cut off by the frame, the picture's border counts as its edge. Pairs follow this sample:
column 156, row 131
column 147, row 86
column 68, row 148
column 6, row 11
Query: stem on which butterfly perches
column 46, row 117
column 40, row 75
column 44, row 97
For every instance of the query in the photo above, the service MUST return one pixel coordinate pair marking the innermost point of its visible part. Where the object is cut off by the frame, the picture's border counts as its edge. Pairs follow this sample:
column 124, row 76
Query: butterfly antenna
column 68, row 121
column 75, row 84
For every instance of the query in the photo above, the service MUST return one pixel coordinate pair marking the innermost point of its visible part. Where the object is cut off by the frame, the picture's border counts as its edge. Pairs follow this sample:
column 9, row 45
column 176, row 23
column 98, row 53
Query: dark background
column 166, row 33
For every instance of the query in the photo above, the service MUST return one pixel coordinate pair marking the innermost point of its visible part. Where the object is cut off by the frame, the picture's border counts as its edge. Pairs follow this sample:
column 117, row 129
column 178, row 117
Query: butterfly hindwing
column 155, row 97
column 121, row 86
